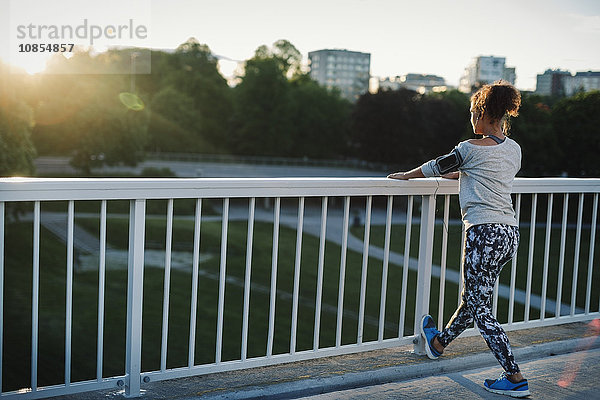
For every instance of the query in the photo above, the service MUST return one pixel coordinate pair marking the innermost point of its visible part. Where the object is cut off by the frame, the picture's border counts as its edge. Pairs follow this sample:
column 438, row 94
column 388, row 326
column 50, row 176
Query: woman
column 486, row 168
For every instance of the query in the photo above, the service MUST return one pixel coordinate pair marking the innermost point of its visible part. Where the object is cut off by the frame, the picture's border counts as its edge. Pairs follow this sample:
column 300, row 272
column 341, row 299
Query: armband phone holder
column 449, row 162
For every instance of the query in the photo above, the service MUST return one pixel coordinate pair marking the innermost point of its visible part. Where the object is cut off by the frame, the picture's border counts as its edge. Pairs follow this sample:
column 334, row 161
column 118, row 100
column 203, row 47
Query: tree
column 461, row 104
column 175, row 124
column 110, row 133
column 443, row 122
column 576, row 121
column 534, row 132
column 281, row 111
column 16, row 150
column 289, row 57
column 58, row 101
column 319, row 120
column 90, row 117
column 384, row 125
column 403, row 128
column 16, row 120
column 193, row 71
column 260, row 123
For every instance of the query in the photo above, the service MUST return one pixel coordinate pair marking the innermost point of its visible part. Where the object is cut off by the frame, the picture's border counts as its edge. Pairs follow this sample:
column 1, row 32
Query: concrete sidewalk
column 567, row 376
column 543, row 353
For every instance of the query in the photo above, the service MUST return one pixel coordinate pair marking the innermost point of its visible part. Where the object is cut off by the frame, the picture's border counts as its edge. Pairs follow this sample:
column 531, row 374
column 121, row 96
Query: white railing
column 302, row 208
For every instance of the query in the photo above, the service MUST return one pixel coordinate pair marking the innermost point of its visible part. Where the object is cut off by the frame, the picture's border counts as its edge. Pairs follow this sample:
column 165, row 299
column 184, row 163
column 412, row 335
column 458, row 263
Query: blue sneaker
column 428, row 332
column 503, row 386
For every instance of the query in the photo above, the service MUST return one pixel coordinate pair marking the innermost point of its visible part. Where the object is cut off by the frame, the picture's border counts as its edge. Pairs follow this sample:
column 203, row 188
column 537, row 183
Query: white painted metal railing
column 423, row 193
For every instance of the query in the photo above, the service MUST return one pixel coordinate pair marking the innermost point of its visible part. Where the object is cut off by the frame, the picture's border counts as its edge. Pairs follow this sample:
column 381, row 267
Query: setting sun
column 31, row 63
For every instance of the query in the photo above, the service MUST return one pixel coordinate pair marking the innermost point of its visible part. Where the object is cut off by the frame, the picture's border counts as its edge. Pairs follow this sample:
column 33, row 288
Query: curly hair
column 497, row 101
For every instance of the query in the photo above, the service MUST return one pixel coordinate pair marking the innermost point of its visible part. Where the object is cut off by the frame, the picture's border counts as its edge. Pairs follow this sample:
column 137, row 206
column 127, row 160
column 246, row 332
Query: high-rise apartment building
column 552, row 82
column 509, row 74
column 562, row 83
column 343, row 69
column 483, row 70
column 420, row 83
column 582, row 82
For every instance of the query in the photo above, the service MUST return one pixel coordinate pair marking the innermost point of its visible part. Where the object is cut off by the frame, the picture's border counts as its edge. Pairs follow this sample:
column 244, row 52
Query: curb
column 315, row 386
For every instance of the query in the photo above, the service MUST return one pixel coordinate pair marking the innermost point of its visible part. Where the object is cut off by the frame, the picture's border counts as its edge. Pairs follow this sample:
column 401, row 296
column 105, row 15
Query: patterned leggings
column 487, row 248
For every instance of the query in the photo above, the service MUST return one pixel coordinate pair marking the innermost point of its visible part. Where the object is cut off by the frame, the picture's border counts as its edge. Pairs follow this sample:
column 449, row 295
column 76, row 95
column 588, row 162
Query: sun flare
column 31, row 63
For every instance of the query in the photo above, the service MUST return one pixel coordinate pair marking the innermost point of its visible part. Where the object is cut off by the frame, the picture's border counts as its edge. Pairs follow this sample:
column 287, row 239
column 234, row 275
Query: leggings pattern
column 487, row 248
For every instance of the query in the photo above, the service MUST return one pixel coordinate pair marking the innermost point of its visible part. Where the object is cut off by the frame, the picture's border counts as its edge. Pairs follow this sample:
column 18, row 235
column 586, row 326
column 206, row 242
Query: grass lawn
column 18, row 304
column 183, row 206
column 454, row 255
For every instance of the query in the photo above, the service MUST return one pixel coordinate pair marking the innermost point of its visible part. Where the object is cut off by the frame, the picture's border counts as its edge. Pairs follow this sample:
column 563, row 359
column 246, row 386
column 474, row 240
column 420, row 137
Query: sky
column 426, row 36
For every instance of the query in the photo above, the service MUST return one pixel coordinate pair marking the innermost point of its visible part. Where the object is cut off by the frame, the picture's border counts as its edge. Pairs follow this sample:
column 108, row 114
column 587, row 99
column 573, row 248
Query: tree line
column 274, row 109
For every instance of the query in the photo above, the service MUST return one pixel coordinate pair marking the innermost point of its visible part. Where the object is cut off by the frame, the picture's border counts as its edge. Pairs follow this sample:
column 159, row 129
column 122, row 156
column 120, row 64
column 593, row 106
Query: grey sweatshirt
column 486, row 177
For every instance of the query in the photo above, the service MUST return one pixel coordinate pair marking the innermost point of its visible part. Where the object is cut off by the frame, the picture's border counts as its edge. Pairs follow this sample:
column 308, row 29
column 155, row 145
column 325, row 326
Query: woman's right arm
column 432, row 168
column 413, row 173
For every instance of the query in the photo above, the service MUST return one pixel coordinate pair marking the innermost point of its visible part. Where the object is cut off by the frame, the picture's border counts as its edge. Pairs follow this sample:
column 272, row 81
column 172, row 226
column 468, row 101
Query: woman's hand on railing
column 398, row 175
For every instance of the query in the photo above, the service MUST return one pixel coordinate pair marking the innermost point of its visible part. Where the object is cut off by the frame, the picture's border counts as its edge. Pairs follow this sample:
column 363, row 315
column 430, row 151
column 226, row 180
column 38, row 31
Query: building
column 582, row 82
column 509, row 74
column 561, row 83
column 343, row 69
column 483, row 70
column 420, row 83
column 552, row 82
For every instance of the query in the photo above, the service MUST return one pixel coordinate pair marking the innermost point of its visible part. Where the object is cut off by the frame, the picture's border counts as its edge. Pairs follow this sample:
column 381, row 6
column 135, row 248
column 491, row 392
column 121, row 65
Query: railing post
column 135, row 285
column 424, row 266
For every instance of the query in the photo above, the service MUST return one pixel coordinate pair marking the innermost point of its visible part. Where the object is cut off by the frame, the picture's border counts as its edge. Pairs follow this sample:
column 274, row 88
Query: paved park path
column 87, row 243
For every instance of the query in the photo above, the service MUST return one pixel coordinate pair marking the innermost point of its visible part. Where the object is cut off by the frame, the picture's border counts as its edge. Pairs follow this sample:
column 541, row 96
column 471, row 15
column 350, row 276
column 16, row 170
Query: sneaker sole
column 427, row 349
column 523, row 393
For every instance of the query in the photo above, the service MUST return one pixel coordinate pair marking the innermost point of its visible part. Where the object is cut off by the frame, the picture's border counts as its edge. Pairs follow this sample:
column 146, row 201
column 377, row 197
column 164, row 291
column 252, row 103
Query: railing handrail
column 47, row 189
column 138, row 190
